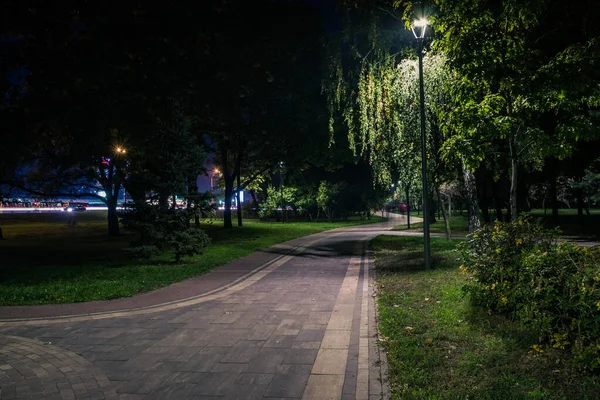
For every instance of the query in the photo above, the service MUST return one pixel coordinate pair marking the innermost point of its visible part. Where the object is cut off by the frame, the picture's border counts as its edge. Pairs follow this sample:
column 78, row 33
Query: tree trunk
column 192, row 199
column 514, row 166
column 112, row 216
column 407, row 206
column 580, row 203
column 431, row 206
column 498, row 203
column 163, row 200
column 254, row 200
column 553, row 188
column 1, row 235
column 471, row 199
column 481, row 180
column 237, row 196
column 444, row 215
column 587, row 205
column 227, row 223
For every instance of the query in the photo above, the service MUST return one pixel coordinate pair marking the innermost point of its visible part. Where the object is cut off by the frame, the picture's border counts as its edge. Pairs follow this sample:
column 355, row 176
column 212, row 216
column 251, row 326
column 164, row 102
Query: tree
column 503, row 51
column 258, row 89
column 164, row 229
column 94, row 95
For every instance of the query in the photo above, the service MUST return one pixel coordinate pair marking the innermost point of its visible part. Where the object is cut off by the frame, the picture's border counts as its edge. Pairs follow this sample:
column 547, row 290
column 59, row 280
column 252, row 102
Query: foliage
column 166, row 229
column 331, row 199
column 589, row 185
column 277, row 199
column 273, row 79
column 523, row 81
column 306, row 202
column 168, row 159
column 520, row 269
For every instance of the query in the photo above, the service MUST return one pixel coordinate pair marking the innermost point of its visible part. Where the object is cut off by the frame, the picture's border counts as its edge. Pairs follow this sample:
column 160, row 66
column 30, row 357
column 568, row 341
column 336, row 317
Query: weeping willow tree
column 362, row 86
column 373, row 93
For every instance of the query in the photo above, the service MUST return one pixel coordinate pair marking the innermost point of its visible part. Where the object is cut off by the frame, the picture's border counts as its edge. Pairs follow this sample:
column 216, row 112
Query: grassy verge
column 46, row 262
column 440, row 347
column 459, row 225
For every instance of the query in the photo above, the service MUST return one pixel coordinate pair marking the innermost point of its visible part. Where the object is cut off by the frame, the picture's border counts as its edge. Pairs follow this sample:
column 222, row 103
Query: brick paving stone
column 266, row 361
column 300, row 356
column 29, row 356
column 289, row 381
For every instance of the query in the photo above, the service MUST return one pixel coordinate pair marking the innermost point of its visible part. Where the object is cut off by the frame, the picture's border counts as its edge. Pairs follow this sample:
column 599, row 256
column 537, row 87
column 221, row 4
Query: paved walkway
column 294, row 321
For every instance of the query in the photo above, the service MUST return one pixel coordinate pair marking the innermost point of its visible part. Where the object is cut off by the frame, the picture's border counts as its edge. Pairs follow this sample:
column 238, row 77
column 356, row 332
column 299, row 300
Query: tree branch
column 251, row 179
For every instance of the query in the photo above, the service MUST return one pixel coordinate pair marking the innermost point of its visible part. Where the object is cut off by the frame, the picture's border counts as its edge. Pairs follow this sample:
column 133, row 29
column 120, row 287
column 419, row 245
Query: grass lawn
column 440, row 347
column 459, row 225
column 571, row 225
column 587, row 226
column 46, row 262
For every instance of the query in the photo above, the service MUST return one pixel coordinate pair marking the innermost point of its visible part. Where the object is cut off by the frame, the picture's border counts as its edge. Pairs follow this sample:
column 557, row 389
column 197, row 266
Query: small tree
column 277, row 199
column 165, row 229
column 330, row 200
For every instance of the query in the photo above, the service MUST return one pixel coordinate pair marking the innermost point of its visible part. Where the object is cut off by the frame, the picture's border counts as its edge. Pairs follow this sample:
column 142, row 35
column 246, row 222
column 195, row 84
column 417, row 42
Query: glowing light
column 420, row 22
column 120, row 150
column 101, row 193
column 421, row 27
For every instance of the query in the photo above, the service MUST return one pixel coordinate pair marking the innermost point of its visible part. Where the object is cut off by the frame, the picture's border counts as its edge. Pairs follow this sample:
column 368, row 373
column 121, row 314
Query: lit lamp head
column 120, row 150
column 419, row 27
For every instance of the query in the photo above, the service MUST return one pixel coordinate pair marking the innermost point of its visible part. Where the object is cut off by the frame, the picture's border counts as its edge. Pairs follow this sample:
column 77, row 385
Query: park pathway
column 294, row 321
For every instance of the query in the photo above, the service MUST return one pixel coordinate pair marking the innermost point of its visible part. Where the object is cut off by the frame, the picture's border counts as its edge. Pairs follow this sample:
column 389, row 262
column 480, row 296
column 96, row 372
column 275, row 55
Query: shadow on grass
column 406, row 255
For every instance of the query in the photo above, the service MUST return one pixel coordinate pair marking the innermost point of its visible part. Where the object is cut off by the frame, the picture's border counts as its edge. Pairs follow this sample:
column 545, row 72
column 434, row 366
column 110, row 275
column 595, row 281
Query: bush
column 166, row 229
column 521, row 270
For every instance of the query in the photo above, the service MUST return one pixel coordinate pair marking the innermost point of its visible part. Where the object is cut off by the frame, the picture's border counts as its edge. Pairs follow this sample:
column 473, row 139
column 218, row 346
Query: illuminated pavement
column 294, row 321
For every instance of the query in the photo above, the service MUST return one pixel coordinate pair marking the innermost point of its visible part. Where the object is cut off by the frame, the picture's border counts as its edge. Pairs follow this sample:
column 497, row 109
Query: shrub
column 521, row 270
column 166, row 229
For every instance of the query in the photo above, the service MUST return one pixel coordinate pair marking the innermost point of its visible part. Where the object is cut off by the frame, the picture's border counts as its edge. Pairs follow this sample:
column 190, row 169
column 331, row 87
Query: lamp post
column 419, row 27
column 121, row 151
column 281, row 190
column 212, row 178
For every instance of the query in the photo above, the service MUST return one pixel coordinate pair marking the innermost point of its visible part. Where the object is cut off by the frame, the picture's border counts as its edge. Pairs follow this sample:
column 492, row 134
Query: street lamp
column 121, row 151
column 418, row 28
column 212, row 178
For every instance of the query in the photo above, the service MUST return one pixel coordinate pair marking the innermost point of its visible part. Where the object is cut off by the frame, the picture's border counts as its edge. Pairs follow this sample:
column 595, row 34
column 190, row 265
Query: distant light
column 70, row 209
column 101, row 193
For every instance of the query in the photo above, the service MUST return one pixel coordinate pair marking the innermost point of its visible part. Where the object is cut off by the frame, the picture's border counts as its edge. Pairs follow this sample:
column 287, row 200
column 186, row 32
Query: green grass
column 572, row 225
column 459, row 225
column 440, row 347
column 46, row 262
